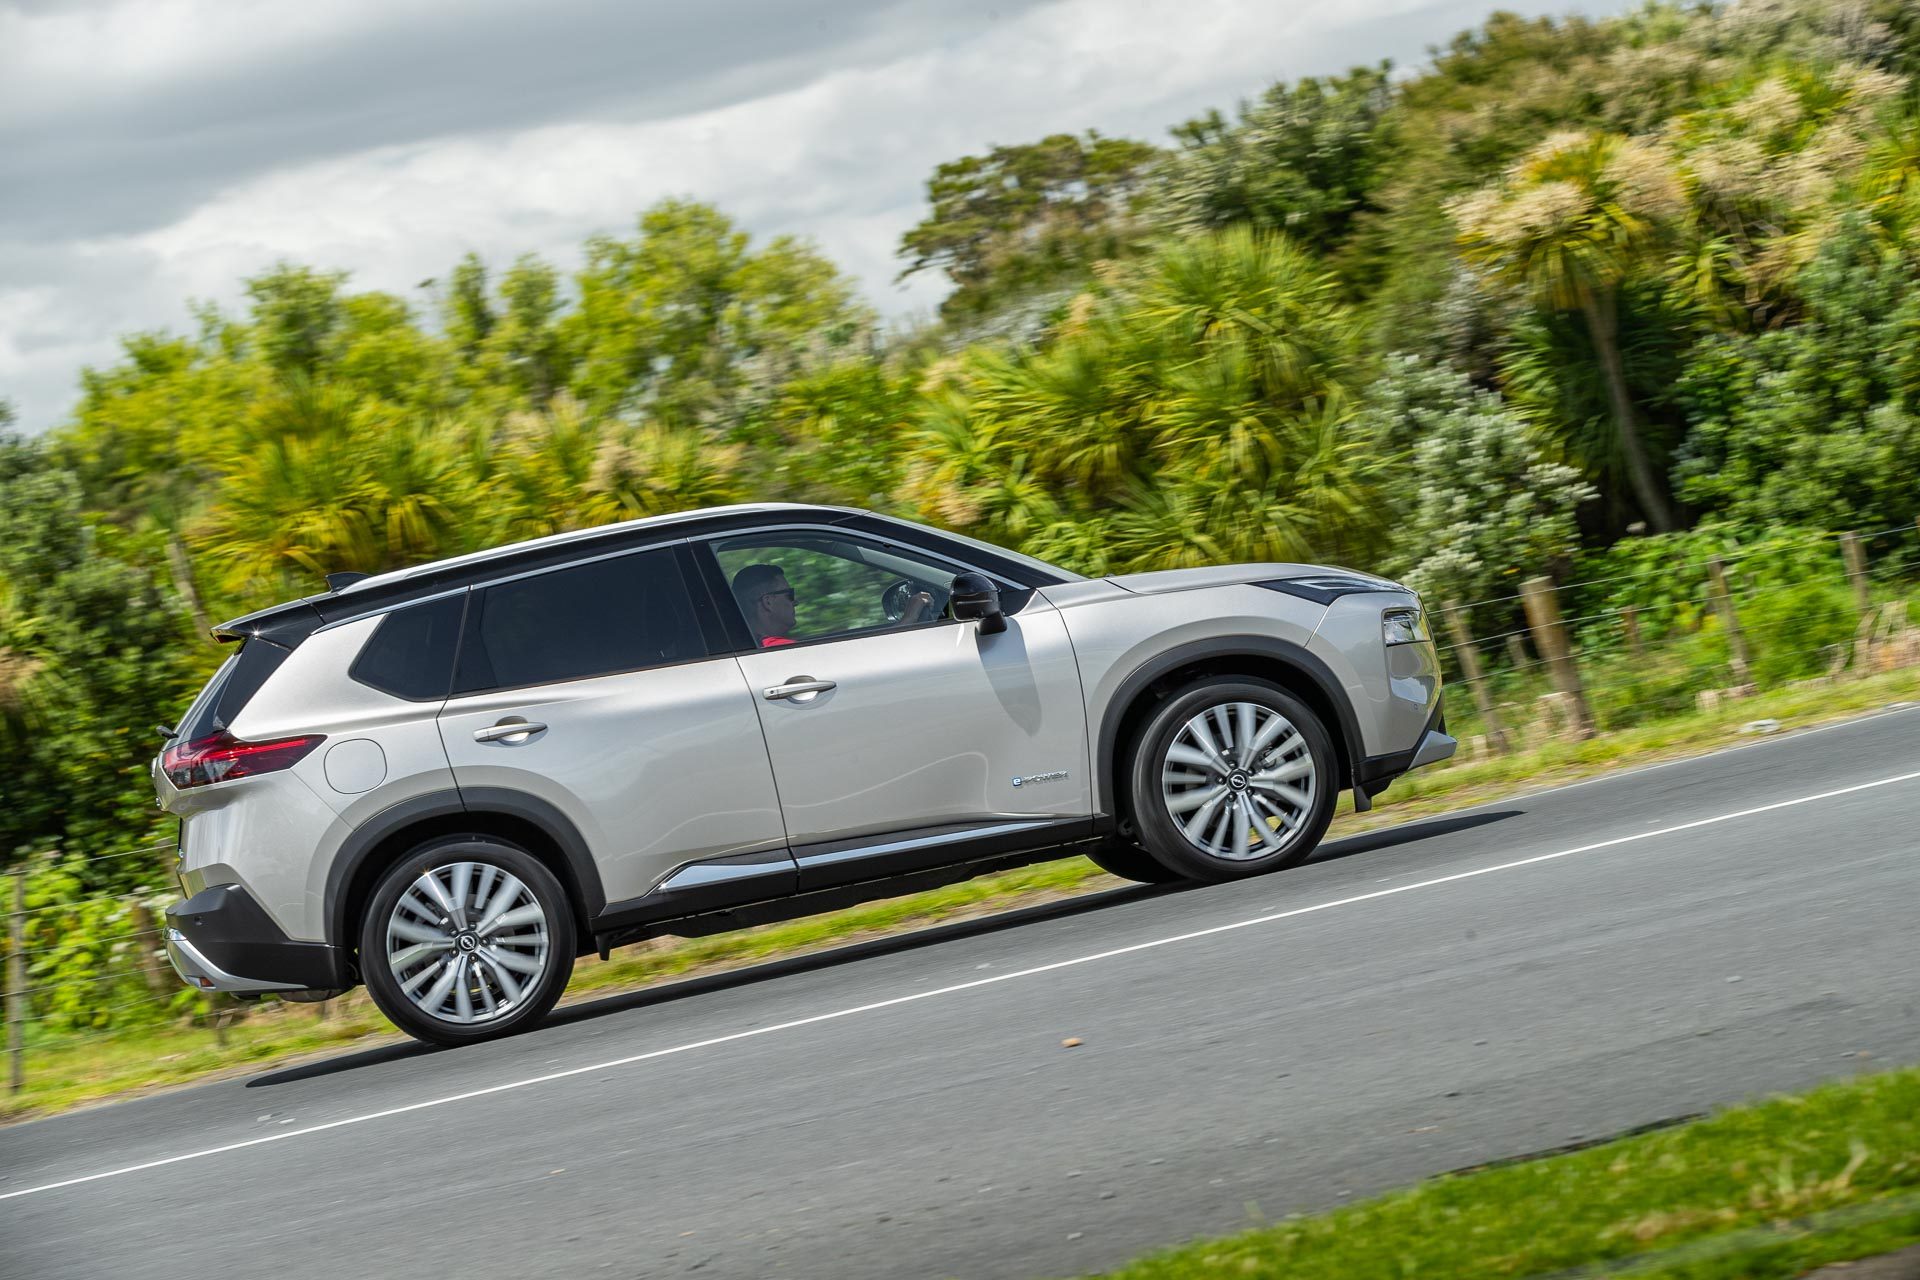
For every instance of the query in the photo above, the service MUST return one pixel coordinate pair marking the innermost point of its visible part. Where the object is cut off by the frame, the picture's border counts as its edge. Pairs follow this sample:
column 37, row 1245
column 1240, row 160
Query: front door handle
column 799, row 689
column 511, row 732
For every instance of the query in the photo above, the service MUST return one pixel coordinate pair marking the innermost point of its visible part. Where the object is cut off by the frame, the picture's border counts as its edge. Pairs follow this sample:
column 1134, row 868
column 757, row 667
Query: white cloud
column 839, row 155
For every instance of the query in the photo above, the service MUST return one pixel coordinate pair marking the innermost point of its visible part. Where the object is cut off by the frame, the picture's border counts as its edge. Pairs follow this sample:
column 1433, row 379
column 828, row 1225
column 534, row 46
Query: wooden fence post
column 1630, row 621
column 17, row 984
column 1856, row 557
column 1516, row 652
column 1550, row 638
column 148, row 937
column 1723, row 605
column 1470, row 663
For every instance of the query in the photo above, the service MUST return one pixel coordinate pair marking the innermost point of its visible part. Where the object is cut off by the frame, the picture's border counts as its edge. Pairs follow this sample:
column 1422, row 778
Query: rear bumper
column 220, row 939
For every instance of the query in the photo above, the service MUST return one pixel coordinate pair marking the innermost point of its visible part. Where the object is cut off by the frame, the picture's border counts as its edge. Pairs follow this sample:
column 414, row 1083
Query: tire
column 509, row 971
column 1204, row 810
column 1129, row 861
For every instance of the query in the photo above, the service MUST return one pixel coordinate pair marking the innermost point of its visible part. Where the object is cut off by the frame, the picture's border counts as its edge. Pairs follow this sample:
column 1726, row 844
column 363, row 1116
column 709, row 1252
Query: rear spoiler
column 286, row 624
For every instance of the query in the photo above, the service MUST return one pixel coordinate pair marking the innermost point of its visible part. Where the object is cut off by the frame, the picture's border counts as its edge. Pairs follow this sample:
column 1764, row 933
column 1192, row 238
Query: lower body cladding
column 764, row 888
column 220, row 939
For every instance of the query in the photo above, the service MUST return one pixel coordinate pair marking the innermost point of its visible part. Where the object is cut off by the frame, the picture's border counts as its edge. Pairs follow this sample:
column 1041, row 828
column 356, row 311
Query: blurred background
column 1598, row 330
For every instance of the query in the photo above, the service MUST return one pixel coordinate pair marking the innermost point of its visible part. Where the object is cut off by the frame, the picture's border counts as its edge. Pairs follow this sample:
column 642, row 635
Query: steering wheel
column 895, row 599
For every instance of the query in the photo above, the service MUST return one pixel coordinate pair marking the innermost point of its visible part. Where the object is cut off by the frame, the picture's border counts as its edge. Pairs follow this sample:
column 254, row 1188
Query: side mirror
column 975, row 597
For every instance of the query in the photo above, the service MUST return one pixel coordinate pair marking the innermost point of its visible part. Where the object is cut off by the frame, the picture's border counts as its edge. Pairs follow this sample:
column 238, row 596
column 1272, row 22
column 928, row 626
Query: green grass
column 1769, row 1189
column 65, row 1071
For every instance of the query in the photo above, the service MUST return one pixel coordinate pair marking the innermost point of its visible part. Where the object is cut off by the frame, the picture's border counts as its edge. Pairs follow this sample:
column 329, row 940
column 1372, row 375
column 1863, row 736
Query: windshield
column 1031, row 562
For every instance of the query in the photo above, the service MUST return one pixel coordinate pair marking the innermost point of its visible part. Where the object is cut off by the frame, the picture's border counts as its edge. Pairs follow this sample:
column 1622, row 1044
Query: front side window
column 626, row 613
column 793, row 586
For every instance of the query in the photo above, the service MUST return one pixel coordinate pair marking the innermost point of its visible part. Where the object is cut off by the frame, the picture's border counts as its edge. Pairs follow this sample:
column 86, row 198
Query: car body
column 589, row 737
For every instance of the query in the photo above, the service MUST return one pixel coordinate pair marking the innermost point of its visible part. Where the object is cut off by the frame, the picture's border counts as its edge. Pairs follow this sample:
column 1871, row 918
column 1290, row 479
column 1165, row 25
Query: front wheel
column 467, row 938
column 1233, row 777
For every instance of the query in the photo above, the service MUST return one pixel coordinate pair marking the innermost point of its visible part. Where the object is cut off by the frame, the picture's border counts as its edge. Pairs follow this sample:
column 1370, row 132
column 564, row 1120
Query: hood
column 1230, row 574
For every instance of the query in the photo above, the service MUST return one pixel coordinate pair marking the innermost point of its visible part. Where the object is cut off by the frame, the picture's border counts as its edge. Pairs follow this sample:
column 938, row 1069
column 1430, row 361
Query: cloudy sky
column 154, row 152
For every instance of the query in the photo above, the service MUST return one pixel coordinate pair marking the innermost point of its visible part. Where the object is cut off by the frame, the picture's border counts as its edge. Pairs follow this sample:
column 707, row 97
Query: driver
column 766, row 597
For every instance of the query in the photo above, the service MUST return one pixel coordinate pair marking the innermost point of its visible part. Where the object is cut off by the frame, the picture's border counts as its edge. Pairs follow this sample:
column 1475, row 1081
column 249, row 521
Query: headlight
column 1404, row 626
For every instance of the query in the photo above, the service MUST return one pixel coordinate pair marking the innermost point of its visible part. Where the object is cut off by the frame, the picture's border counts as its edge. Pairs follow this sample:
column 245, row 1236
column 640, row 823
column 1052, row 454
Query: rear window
column 231, row 688
column 624, row 614
column 410, row 654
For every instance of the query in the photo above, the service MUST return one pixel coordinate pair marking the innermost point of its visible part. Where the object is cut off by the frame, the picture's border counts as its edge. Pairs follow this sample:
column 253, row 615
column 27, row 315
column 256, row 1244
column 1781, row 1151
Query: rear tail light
column 221, row 757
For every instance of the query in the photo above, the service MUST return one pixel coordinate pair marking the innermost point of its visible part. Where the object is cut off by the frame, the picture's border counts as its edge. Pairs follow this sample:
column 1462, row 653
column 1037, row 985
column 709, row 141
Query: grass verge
column 1769, row 1189
column 63, row 1071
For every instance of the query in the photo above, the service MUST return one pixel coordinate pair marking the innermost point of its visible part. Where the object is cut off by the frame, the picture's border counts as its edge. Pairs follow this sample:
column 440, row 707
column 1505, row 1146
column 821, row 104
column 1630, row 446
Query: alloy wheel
column 467, row 942
column 1238, row 780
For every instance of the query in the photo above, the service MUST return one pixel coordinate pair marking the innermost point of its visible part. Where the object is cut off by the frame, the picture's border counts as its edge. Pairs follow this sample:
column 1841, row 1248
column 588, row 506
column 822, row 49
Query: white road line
column 1614, row 775
column 964, row 986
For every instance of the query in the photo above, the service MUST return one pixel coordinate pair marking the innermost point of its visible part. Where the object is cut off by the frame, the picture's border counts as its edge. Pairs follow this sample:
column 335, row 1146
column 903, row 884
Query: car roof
column 618, row 530
column 289, row 623
column 297, row 617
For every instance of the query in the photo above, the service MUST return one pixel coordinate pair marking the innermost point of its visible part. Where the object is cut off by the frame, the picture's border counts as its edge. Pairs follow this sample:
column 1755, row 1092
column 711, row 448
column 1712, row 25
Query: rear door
column 929, row 734
column 592, row 687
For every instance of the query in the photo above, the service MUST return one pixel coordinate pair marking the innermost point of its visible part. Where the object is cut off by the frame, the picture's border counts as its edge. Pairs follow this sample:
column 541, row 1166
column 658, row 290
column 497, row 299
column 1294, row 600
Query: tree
column 1189, row 409
column 1027, row 215
column 88, row 644
column 1482, row 508
column 687, row 325
column 1763, row 170
column 295, row 311
column 1817, row 424
column 1304, row 159
column 1578, row 217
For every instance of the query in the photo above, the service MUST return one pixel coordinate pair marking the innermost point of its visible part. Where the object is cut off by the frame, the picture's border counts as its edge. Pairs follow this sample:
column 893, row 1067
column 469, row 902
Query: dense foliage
column 1573, row 283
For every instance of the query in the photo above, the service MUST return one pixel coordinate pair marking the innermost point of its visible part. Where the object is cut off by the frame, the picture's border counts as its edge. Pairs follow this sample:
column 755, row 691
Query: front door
column 897, row 734
column 592, row 688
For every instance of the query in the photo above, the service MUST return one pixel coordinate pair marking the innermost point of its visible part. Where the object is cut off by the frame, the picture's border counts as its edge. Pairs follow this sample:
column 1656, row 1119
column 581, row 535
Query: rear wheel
column 467, row 938
column 1233, row 777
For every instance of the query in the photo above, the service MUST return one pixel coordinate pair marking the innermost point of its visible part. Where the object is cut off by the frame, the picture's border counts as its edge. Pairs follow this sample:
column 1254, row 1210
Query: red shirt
column 769, row 642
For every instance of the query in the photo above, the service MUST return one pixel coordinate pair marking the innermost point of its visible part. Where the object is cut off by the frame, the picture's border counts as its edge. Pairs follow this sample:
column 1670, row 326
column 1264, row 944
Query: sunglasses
column 784, row 591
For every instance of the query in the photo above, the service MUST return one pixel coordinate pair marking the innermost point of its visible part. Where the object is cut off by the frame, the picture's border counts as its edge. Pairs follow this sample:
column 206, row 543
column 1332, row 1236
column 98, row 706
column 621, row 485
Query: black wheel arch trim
column 465, row 802
column 1265, row 647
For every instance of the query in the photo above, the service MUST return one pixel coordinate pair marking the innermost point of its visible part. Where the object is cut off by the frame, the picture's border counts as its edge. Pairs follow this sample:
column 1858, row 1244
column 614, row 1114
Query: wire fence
column 1710, row 641
column 89, row 966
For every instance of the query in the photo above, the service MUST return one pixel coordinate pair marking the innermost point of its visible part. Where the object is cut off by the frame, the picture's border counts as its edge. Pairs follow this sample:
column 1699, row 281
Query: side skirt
column 831, row 877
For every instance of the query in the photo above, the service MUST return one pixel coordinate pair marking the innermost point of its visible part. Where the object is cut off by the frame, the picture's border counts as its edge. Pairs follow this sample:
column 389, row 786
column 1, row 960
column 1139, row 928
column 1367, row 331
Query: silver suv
column 448, row 782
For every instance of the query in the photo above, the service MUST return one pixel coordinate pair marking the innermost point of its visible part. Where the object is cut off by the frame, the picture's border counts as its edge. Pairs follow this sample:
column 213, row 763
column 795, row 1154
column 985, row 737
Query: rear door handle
column 799, row 689
column 510, row 732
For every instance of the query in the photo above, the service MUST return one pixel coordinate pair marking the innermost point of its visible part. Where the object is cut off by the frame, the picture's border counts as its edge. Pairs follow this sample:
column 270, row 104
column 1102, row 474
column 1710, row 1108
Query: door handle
column 511, row 732
column 800, row 689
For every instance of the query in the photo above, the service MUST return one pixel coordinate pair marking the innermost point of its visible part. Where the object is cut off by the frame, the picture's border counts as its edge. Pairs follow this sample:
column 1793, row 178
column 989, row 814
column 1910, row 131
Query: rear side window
column 231, row 688
column 623, row 614
column 410, row 654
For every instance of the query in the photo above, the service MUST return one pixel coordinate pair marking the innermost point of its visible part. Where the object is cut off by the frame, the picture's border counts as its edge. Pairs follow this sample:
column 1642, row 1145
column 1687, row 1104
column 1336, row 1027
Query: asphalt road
column 1508, row 980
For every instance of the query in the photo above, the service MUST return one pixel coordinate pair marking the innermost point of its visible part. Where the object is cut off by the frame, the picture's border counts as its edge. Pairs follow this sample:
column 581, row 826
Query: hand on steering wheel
column 919, row 607
column 906, row 603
